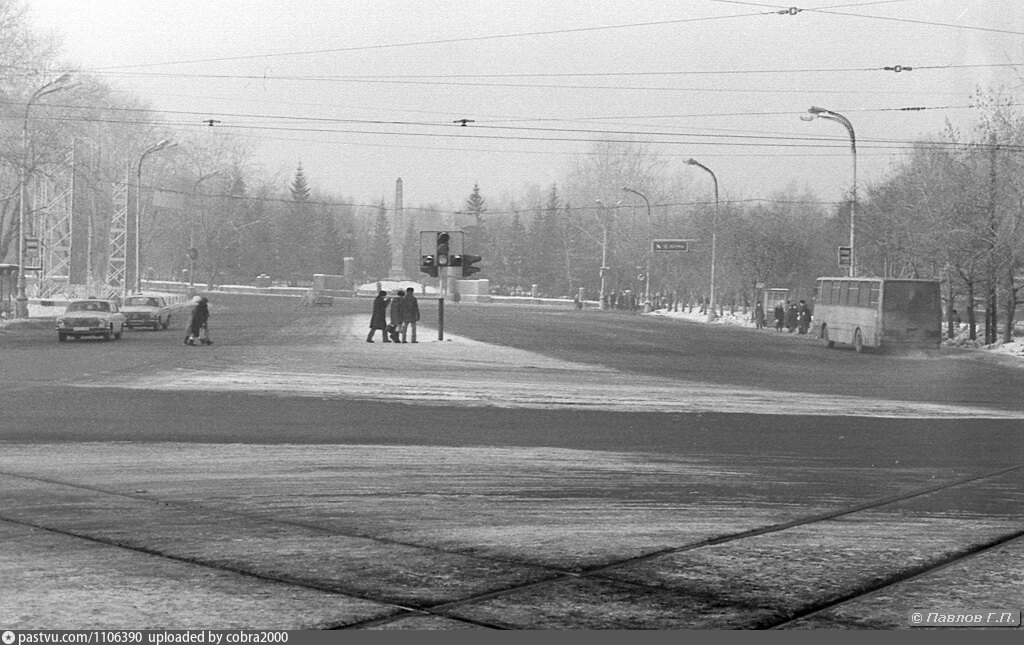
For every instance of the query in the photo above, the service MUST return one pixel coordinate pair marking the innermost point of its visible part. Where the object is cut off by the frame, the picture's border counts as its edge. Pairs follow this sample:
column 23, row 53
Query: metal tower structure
column 117, row 260
column 56, row 195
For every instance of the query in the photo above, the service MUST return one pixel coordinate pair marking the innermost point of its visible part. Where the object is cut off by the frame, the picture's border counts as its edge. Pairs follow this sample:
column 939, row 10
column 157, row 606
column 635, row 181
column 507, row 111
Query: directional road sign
column 671, row 245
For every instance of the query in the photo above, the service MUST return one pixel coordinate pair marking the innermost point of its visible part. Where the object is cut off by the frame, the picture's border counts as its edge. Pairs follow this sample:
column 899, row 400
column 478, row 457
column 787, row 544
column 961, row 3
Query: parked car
column 90, row 318
column 146, row 311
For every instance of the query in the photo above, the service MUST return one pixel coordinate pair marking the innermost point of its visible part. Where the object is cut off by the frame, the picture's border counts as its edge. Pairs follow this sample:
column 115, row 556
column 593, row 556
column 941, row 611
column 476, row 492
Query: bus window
column 866, row 292
column 873, row 298
column 825, row 292
column 836, row 284
column 844, row 294
column 853, row 299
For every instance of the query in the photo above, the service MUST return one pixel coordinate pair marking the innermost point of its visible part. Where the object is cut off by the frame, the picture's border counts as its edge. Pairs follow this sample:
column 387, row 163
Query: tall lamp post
column 602, row 303
column 714, row 237
column 819, row 112
column 166, row 143
column 650, row 235
column 56, row 85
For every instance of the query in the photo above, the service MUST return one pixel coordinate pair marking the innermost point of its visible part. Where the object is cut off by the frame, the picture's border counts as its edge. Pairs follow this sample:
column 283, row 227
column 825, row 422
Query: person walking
column 379, row 319
column 397, row 305
column 791, row 315
column 198, row 321
column 780, row 316
column 803, row 317
column 758, row 315
column 410, row 313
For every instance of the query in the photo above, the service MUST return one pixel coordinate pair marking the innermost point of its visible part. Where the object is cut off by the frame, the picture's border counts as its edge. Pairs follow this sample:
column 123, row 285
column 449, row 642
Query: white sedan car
column 146, row 311
column 90, row 318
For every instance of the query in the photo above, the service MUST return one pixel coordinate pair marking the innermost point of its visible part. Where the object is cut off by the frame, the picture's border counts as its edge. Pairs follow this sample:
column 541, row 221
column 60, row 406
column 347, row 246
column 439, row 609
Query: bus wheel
column 858, row 342
column 829, row 343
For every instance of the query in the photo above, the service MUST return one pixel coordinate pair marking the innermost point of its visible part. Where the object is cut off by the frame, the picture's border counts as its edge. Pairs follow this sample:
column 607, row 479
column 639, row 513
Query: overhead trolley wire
column 769, row 140
column 440, row 41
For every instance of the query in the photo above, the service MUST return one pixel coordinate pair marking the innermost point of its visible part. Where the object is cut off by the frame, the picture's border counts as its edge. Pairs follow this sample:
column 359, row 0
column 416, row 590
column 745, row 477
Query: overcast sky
column 364, row 92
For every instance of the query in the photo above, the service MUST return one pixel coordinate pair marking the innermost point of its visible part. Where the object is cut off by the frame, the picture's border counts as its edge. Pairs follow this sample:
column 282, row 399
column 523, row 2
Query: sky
column 362, row 93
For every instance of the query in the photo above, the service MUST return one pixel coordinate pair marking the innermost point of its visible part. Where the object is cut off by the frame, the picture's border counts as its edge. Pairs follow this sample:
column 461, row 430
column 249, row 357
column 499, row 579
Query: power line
column 755, row 140
column 442, row 41
column 929, row 23
column 618, row 74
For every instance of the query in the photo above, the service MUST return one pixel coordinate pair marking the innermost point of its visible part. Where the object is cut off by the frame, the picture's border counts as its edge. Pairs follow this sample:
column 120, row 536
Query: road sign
column 681, row 246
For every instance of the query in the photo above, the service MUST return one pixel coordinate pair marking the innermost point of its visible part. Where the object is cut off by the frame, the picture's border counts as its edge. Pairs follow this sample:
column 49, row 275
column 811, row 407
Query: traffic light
column 442, row 249
column 845, row 253
column 466, row 261
column 428, row 266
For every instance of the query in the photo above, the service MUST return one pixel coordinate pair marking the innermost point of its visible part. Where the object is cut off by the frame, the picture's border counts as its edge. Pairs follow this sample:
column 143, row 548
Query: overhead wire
column 588, row 134
column 440, row 41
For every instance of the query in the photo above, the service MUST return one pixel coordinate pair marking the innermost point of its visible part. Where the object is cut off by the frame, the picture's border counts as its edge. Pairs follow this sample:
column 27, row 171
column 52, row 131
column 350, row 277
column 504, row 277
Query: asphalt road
column 684, row 475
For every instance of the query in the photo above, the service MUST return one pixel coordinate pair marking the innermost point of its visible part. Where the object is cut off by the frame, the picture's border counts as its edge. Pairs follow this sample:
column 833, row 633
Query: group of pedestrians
column 791, row 316
column 405, row 312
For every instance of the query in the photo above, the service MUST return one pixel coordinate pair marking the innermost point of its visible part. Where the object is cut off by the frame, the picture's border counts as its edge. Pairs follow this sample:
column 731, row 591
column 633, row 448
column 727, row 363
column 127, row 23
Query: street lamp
column 56, row 85
column 818, row 112
column 714, row 237
column 602, row 303
column 650, row 234
column 166, row 143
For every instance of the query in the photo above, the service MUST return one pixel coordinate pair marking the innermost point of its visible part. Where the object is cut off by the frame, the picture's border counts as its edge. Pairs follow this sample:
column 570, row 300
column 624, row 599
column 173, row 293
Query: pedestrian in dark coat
column 780, row 316
column 197, row 324
column 791, row 316
column 410, row 313
column 803, row 317
column 758, row 316
column 379, row 320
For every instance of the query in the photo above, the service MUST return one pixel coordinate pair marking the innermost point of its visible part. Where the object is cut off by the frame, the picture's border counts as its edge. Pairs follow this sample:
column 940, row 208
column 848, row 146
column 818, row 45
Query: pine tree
column 518, row 249
column 300, row 187
column 297, row 231
column 476, row 234
column 546, row 262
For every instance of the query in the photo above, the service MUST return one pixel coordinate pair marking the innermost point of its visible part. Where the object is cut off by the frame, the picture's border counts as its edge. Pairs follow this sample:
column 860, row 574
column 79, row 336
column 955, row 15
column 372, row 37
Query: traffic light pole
column 440, row 302
column 440, row 318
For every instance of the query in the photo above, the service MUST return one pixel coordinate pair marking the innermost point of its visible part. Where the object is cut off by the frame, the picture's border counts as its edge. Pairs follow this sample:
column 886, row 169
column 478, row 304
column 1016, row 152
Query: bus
column 878, row 312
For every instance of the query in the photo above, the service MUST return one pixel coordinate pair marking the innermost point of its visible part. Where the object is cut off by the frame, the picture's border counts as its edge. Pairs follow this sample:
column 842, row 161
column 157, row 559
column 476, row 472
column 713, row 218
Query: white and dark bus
column 878, row 312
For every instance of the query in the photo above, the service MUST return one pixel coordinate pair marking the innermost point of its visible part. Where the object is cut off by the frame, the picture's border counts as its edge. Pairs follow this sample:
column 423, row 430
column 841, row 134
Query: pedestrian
column 396, row 316
column 410, row 313
column 198, row 323
column 791, row 315
column 379, row 319
column 758, row 315
column 780, row 316
column 803, row 317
